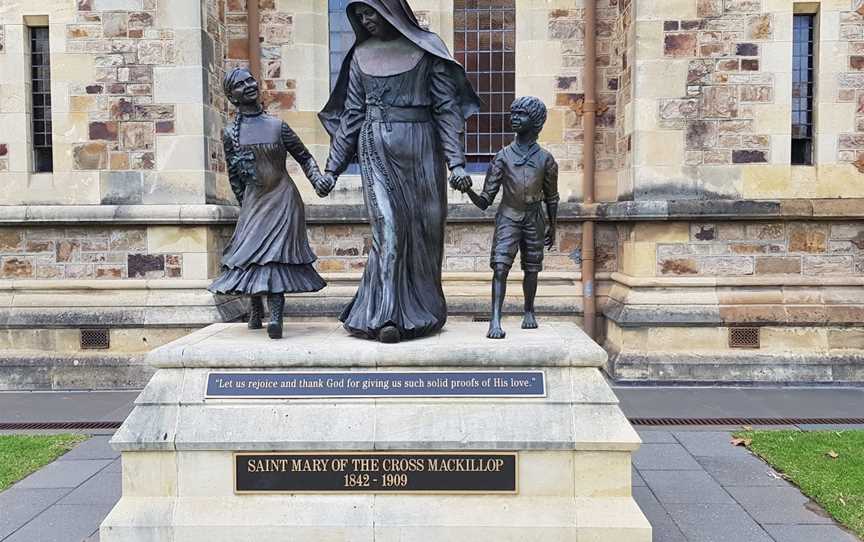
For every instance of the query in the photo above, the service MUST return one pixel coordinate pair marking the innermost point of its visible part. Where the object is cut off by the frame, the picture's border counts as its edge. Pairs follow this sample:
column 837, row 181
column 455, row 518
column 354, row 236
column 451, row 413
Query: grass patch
column 828, row 466
column 21, row 455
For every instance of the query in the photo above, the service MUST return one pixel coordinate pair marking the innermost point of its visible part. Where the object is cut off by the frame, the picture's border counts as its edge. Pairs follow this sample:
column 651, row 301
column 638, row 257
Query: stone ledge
column 430, row 518
column 40, row 370
column 737, row 281
column 118, row 214
column 840, row 367
column 355, row 213
column 195, row 284
column 713, row 315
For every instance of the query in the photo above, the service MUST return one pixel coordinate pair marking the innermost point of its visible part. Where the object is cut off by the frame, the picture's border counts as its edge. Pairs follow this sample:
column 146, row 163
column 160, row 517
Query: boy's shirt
column 528, row 177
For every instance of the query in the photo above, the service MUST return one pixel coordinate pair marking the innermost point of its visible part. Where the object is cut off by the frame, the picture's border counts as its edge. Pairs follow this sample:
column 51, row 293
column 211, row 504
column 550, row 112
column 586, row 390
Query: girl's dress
column 269, row 251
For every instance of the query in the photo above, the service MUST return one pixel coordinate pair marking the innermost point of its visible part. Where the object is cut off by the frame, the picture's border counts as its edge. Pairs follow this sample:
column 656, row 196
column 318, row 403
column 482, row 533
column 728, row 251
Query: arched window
column 485, row 43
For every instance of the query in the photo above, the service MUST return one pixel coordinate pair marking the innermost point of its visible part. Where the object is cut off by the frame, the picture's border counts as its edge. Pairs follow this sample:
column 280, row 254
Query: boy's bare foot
column 529, row 321
column 495, row 331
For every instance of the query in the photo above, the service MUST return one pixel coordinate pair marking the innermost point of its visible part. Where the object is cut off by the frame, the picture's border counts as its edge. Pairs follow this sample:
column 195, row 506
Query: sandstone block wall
column 118, row 252
column 128, row 107
column 713, row 87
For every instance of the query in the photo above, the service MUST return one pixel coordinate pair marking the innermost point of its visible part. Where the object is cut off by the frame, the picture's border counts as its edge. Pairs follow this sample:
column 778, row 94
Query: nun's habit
column 406, row 129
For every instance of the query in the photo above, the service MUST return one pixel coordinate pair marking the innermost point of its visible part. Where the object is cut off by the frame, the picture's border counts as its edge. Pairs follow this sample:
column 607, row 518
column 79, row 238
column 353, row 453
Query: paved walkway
column 693, row 485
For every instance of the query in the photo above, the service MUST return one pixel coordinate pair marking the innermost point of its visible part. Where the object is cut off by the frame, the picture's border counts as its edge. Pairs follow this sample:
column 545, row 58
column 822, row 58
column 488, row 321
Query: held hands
column 324, row 184
column 459, row 180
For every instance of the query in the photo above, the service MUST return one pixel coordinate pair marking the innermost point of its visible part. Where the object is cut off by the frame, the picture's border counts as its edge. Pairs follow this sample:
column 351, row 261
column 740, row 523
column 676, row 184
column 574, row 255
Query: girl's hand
column 324, row 184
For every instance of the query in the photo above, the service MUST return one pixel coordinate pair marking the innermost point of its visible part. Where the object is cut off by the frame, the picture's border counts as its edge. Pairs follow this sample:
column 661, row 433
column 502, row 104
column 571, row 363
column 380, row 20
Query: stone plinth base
column 574, row 444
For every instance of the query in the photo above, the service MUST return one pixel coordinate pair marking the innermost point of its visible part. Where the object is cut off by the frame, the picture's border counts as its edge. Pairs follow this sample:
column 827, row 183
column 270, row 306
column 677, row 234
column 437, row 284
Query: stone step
column 360, row 518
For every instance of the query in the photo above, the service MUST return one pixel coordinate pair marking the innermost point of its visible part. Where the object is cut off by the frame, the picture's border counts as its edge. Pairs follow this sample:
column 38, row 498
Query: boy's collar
column 523, row 158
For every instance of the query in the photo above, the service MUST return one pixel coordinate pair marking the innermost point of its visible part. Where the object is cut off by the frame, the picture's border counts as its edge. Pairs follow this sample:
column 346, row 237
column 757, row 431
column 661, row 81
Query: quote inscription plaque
column 374, row 384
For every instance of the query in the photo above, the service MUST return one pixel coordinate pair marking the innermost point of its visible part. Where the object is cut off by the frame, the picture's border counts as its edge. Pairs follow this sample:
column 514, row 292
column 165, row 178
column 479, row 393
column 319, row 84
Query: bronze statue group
column 399, row 94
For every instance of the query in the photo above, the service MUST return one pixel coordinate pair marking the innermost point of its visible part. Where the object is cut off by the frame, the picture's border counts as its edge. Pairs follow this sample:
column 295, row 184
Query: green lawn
column 22, row 454
column 828, row 466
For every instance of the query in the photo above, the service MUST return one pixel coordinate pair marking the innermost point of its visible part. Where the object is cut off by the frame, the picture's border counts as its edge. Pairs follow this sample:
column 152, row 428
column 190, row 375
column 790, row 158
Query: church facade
column 729, row 213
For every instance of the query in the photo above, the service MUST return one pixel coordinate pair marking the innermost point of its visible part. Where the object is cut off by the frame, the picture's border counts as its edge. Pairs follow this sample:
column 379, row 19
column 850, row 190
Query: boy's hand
column 459, row 179
column 549, row 241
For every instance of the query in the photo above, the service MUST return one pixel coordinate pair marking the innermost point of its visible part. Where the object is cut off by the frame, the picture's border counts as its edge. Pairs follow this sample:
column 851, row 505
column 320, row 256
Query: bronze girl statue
column 268, row 253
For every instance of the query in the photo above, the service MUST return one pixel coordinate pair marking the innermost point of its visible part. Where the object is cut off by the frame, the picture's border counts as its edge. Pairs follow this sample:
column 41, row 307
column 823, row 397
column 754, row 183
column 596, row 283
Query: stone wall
column 713, row 99
column 549, row 65
column 127, row 106
column 343, row 248
column 765, row 248
column 851, row 83
column 119, row 252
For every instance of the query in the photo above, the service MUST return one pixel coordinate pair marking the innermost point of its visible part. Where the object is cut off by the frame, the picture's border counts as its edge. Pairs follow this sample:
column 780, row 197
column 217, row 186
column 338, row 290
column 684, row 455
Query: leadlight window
column 485, row 43
column 802, row 89
column 40, row 90
column 341, row 37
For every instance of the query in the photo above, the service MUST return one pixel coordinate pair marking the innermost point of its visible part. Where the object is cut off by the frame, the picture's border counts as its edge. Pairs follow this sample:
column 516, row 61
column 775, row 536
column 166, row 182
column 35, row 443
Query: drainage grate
column 743, row 337
column 36, row 426
column 481, row 318
column 95, row 339
column 746, row 421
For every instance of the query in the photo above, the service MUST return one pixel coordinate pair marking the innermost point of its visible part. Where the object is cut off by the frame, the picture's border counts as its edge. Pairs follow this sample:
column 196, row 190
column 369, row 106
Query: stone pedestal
column 574, row 444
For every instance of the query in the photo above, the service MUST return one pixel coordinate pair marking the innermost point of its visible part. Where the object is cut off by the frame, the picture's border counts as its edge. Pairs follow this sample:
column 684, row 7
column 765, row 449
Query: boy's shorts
column 525, row 236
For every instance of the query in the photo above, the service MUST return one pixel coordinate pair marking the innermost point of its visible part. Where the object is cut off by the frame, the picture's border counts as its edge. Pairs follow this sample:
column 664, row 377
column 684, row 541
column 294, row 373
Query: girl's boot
column 256, row 312
column 277, row 305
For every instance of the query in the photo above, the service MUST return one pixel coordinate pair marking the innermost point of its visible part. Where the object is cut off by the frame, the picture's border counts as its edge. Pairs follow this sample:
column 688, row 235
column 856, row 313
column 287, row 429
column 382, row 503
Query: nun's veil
column 399, row 14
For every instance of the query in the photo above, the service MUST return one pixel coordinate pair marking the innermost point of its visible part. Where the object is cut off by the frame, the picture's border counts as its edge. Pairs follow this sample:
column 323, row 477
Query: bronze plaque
column 376, row 472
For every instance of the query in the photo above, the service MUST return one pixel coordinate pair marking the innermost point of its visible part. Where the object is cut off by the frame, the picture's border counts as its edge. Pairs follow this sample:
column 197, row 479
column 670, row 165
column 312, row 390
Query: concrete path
column 66, row 500
column 643, row 402
column 693, row 486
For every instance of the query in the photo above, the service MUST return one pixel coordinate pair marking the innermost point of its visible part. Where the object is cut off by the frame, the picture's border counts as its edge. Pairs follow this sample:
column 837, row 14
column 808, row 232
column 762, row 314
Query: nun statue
column 399, row 105
column 268, row 255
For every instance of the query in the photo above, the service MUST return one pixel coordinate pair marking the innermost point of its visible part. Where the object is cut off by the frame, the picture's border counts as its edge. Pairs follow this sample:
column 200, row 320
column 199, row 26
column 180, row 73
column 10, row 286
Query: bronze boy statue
column 529, row 175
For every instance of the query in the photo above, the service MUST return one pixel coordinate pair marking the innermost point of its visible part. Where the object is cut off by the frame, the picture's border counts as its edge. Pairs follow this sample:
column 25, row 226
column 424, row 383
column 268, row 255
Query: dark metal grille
column 641, row 422
column 95, row 339
column 56, row 426
column 40, row 83
column 745, row 421
column 485, row 43
column 744, row 337
column 802, row 89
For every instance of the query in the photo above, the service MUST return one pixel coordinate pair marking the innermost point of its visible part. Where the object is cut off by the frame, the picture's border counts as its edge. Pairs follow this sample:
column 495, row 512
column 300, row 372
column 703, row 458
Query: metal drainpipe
column 253, row 20
column 588, row 157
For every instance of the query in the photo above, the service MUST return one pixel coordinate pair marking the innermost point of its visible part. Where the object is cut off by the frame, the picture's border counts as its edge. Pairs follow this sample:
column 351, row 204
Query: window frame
column 478, row 27
column 804, row 80
column 39, row 53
